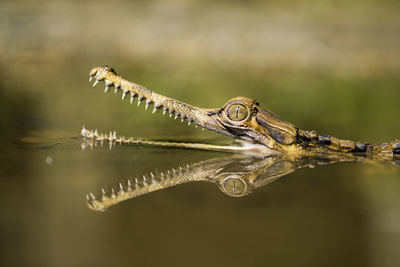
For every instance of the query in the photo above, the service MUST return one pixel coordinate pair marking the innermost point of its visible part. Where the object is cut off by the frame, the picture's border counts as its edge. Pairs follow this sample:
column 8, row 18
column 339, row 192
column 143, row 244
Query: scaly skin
column 258, row 131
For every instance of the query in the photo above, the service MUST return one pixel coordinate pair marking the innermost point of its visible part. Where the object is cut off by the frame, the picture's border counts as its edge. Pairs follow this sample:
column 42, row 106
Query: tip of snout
column 103, row 69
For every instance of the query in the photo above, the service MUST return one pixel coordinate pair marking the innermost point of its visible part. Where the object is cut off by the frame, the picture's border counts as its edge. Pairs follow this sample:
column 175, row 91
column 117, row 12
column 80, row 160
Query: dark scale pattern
column 361, row 147
column 396, row 149
column 324, row 139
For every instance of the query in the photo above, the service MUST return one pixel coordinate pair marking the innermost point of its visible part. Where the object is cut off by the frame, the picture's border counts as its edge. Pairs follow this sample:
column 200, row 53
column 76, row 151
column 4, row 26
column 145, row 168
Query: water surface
column 331, row 67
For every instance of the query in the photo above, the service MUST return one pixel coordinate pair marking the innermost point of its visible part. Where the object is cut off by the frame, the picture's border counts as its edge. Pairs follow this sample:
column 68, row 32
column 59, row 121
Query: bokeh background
column 332, row 66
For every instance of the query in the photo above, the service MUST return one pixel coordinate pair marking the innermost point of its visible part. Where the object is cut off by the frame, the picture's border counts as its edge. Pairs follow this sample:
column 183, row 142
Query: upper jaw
column 198, row 116
column 255, row 129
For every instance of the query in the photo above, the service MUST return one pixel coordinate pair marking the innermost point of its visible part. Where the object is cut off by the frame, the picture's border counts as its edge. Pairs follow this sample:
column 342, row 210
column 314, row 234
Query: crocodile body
column 255, row 130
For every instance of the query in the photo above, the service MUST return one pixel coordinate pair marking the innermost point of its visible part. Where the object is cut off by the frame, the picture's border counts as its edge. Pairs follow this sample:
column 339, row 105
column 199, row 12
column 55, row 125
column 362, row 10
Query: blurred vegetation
column 332, row 66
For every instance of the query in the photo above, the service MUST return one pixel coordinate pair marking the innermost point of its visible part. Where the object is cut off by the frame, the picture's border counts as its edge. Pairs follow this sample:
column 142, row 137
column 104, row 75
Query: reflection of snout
column 234, row 186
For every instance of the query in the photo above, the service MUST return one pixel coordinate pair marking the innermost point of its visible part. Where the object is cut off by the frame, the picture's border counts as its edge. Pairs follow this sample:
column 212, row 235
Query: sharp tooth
column 164, row 110
column 148, row 101
column 95, row 82
column 121, row 189
column 115, row 135
column 132, row 97
column 90, row 79
column 112, row 193
column 103, row 191
column 189, row 122
column 140, row 98
column 115, row 90
column 154, row 109
column 106, row 89
column 92, row 196
column 196, row 125
column 104, row 197
column 170, row 115
column 182, row 119
column 83, row 131
column 176, row 116
column 124, row 94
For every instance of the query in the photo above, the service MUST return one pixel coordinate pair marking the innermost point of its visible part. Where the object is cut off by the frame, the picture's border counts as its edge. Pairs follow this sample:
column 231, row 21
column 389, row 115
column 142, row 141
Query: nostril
column 93, row 72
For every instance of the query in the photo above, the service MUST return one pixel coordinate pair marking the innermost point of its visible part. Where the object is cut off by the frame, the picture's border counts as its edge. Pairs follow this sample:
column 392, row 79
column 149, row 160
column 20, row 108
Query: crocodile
column 255, row 130
column 236, row 175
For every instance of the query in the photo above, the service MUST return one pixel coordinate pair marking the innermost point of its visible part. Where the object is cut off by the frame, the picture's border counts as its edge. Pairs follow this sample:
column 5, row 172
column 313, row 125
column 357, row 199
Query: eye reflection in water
column 236, row 175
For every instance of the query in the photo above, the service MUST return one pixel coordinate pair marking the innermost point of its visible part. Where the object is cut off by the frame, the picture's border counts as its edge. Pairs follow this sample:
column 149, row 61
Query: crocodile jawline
column 257, row 130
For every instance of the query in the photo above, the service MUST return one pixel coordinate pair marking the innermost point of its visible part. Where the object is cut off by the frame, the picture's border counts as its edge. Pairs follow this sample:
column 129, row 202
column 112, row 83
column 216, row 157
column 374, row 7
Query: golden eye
column 237, row 112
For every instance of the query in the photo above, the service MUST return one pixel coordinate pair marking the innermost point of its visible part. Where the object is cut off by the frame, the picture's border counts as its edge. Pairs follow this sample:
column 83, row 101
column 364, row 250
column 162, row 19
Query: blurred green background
column 332, row 66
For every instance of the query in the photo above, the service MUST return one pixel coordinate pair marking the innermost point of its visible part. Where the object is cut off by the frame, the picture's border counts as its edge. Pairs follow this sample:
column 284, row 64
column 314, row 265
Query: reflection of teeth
column 129, row 188
column 121, row 189
column 112, row 193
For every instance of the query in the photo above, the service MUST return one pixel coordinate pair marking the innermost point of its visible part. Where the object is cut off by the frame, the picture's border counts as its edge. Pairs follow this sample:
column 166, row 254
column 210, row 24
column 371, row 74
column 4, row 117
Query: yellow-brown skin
column 243, row 119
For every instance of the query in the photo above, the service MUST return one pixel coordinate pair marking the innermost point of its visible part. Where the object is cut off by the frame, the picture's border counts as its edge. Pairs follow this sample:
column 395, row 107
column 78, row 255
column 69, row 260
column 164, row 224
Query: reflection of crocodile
column 256, row 130
column 236, row 176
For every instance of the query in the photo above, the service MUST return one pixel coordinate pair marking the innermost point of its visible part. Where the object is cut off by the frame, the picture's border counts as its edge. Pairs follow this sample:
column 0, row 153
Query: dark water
column 332, row 67
column 341, row 214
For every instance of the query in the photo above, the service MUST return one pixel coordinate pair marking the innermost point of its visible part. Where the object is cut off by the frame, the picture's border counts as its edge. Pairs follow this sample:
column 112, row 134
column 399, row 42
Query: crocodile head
column 240, row 118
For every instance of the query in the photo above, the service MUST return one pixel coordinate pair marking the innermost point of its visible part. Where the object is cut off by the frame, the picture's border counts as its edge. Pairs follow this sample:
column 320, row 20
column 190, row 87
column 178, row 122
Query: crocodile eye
column 237, row 112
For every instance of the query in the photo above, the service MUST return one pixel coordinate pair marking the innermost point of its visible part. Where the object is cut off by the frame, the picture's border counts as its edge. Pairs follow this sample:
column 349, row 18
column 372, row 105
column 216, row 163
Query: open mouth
column 254, row 129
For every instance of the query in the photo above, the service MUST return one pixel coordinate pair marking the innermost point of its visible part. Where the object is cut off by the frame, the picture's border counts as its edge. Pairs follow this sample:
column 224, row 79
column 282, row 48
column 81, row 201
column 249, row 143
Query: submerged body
column 256, row 130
